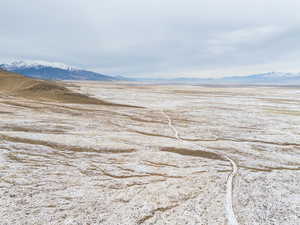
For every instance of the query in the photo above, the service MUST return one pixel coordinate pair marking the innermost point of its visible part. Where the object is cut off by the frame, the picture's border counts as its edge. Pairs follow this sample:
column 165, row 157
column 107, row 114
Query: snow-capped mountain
column 59, row 71
column 278, row 78
column 280, row 74
column 271, row 78
column 36, row 63
column 53, row 71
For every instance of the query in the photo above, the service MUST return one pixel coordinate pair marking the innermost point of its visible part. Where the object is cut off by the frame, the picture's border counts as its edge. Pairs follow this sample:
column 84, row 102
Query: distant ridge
column 59, row 71
column 271, row 78
column 54, row 71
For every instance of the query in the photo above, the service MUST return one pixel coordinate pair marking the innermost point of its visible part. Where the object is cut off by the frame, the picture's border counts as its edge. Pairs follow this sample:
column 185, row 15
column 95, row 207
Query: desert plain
column 151, row 154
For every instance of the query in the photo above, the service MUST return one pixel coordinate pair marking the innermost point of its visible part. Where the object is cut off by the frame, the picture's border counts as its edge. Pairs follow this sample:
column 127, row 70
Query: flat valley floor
column 159, row 162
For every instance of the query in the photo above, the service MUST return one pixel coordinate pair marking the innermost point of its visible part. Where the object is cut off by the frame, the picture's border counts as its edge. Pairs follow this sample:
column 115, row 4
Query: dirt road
column 229, row 184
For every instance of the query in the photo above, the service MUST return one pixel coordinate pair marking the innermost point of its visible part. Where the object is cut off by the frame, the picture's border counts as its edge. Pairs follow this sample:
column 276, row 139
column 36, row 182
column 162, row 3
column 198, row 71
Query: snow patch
column 35, row 64
column 281, row 74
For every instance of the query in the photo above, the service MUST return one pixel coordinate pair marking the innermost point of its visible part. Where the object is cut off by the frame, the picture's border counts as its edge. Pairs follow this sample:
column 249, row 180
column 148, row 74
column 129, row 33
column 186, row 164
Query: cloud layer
column 167, row 38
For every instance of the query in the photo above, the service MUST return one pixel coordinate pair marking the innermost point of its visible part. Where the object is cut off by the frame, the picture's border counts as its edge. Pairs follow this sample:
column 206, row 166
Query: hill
column 20, row 86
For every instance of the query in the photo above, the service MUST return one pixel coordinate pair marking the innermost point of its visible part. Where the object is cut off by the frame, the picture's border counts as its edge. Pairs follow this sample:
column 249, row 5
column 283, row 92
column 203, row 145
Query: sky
column 155, row 38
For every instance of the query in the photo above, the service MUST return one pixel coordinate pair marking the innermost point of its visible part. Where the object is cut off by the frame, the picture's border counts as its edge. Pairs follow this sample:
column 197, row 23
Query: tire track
column 229, row 184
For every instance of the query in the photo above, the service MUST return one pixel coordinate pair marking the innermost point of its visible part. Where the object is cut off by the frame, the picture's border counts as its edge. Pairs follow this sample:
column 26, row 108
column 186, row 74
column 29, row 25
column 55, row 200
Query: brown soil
column 41, row 90
column 63, row 147
column 193, row 153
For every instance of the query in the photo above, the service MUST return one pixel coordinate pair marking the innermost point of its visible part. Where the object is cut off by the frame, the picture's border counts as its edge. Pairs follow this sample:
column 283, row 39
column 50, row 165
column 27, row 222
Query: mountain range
column 54, row 71
column 59, row 71
column 271, row 78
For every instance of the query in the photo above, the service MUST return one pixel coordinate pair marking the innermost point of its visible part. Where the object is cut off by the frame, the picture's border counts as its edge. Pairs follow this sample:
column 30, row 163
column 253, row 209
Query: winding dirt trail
column 229, row 184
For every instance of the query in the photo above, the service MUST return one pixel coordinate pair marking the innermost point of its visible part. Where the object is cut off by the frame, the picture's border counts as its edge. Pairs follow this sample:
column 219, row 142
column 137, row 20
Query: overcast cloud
column 158, row 38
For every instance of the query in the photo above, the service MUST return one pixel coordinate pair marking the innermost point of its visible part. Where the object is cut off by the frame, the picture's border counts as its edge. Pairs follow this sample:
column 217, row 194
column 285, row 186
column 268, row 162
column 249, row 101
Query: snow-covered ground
column 86, row 164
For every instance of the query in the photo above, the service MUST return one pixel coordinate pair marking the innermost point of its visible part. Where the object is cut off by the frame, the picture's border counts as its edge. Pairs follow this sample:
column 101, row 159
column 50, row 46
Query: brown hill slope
column 25, row 87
